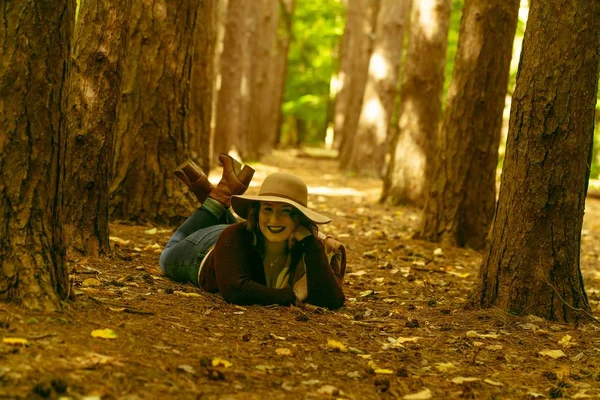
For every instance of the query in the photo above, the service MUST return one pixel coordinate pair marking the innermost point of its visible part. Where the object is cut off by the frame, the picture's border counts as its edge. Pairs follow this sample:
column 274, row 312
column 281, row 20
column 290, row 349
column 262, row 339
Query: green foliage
column 318, row 26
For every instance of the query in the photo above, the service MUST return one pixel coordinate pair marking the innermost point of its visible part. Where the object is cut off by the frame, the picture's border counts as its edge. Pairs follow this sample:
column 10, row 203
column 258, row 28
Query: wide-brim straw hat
column 279, row 187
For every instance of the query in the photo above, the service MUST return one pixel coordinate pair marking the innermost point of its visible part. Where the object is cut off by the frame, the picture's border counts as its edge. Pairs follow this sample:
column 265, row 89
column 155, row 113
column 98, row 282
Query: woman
column 275, row 256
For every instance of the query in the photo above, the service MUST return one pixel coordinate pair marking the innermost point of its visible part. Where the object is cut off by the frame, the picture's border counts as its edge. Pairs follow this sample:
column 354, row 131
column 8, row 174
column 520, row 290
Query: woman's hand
column 299, row 233
column 301, row 288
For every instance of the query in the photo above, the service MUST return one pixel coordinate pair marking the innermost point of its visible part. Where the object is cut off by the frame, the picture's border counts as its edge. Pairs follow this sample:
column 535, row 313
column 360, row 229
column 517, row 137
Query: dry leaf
column 277, row 337
column 459, row 274
column 566, row 341
column 493, row 347
column 383, row 371
column 336, row 346
column 553, row 353
column 118, row 240
column 283, row 352
column 422, row 395
column 459, row 380
column 445, row 367
column 562, row 371
column 93, row 282
column 407, row 339
column 493, row 383
column 220, row 362
column 151, row 231
column 365, row 356
column 188, row 294
column 104, row 334
column 15, row 341
column 366, row 293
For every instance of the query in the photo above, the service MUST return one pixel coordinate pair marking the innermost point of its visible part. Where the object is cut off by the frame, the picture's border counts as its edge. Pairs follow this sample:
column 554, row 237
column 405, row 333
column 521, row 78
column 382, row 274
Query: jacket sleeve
column 233, row 269
column 324, row 288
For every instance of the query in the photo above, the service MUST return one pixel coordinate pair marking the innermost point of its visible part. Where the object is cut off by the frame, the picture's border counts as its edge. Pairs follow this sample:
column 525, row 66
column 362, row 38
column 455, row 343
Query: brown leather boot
column 195, row 179
column 235, row 180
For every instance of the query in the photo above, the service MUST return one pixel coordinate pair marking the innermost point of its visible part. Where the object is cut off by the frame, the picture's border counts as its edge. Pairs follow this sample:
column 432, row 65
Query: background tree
column 359, row 48
column 202, row 83
column 152, row 133
column 413, row 146
column 35, row 41
column 462, row 194
column 367, row 153
column 532, row 263
column 94, row 91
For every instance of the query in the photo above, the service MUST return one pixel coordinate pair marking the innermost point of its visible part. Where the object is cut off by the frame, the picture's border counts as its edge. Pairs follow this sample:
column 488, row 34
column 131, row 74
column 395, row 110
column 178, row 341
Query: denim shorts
column 181, row 258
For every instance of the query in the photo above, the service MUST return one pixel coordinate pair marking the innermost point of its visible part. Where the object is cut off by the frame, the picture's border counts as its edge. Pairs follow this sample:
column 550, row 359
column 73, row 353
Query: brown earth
column 402, row 331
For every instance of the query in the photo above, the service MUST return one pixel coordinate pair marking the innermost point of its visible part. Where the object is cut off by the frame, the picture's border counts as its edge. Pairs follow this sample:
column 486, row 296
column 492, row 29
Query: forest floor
column 402, row 334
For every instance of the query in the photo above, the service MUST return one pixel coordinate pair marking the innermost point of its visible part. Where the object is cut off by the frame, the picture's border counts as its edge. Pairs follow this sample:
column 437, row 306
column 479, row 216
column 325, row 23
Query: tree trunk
column 261, row 77
column 228, row 122
column 279, row 71
column 413, row 148
column 152, row 133
column 35, row 41
column 532, row 263
column 359, row 71
column 354, row 64
column 462, row 195
column 367, row 155
column 94, row 91
column 202, row 83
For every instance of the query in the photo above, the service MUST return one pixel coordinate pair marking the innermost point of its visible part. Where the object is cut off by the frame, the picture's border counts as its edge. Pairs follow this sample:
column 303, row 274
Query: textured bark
column 367, row 155
column 279, row 71
column 359, row 71
column 152, row 135
column 34, row 37
column 354, row 64
column 532, row 263
column 94, row 91
column 413, row 147
column 261, row 77
column 202, row 83
column 462, row 196
column 229, row 117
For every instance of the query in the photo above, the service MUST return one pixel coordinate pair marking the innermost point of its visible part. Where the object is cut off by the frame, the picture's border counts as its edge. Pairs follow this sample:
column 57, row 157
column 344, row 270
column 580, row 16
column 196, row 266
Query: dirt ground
column 402, row 333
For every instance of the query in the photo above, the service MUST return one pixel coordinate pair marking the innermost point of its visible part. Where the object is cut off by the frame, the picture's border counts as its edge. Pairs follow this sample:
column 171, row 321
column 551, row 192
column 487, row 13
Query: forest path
column 402, row 331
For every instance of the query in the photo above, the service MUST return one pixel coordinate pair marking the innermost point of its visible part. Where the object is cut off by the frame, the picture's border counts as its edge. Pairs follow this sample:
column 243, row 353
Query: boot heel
column 237, row 166
column 245, row 175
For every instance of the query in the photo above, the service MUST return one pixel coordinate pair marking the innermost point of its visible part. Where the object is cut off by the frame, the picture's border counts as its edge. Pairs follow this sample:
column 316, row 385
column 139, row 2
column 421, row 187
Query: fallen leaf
column 422, row 395
column 493, row 383
column 336, row 346
column 357, row 273
column 186, row 368
column 582, row 395
column 15, row 341
column 188, row 294
column 220, row 362
column 366, row 293
column 445, row 367
column 407, row 339
column 277, row 337
column 104, row 334
column 371, row 254
column 474, row 334
column 283, row 352
column 459, row 274
column 493, row 347
column 562, row 371
column 151, row 231
column 365, row 356
column 118, row 240
column 383, row 371
column 566, row 341
column 93, row 282
column 438, row 252
column 459, row 380
column 328, row 390
column 553, row 353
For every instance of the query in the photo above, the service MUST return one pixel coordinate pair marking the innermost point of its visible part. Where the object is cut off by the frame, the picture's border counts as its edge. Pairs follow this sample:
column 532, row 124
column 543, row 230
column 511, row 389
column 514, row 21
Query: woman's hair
column 257, row 236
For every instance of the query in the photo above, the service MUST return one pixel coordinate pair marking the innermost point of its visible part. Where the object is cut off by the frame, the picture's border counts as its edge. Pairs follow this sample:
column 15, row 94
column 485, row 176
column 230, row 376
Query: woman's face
column 276, row 221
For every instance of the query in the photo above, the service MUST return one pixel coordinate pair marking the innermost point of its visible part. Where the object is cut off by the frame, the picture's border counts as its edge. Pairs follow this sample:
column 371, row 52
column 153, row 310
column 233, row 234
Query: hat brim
column 241, row 205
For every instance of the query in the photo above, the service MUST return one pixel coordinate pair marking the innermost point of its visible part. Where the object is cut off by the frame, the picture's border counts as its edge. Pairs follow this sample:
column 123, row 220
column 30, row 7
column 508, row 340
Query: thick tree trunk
column 532, row 263
column 229, row 117
column 202, row 83
column 359, row 71
column 413, row 147
column 94, row 91
column 152, row 133
column 367, row 155
column 354, row 65
column 35, row 41
column 261, row 74
column 462, row 194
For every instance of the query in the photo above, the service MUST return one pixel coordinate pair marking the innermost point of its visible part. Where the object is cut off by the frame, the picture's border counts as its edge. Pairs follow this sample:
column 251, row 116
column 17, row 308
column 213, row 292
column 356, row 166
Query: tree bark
column 367, row 155
column 413, row 146
column 202, row 83
column 228, row 121
column 35, row 40
column 152, row 136
column 532, row 263
column 94, row 91
column 462, row 195
column 359, row 70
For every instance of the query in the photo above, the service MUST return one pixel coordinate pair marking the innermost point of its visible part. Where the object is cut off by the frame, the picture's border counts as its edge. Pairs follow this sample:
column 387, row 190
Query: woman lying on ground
column 275, row 256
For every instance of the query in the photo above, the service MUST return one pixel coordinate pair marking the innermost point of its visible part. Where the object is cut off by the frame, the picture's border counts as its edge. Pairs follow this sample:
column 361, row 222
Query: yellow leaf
column 91, row 282
column 562, row 371
column 459, row 380
column 383, row 371
column 16, row 341
column 444, row 367
column 553, row 353
column 335, row 345
column 216, row 362
column 493, row 383
column 566, row 341
column 422, row 395
column 407, row 339
column 118, row 240
column 151, row 231
column 274, row 336
column 459, row 274
column 283, row 352
column 104, row 334
column 365, row 356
